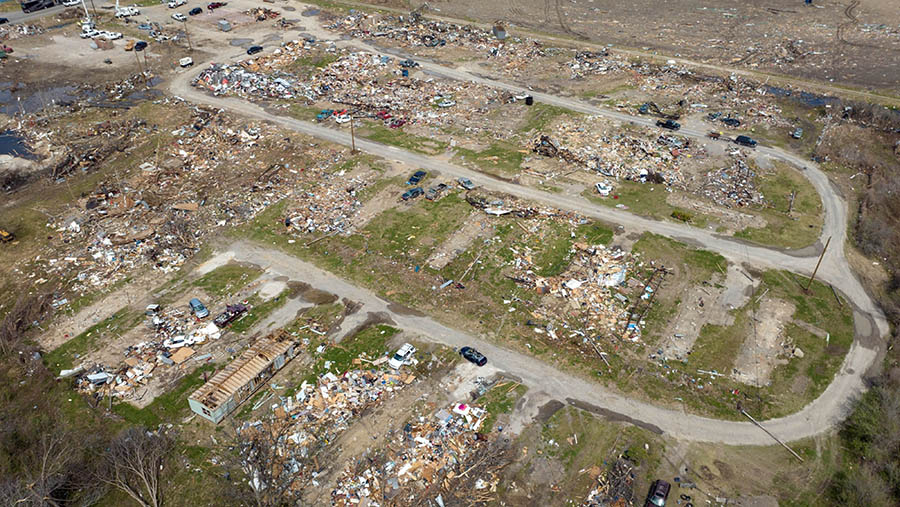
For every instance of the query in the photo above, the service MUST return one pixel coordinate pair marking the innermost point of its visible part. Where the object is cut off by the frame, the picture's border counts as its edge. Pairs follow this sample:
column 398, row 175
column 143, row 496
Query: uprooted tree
column 274, row 470
column 135, row 462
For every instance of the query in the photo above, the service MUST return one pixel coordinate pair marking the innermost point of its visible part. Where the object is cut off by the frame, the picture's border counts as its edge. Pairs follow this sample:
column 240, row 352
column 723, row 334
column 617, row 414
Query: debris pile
column 18, row 31
column 262, row 13
column 175, row 342
column 733, row 186
column 614, row 486
column 330, row 208
column 589, row 63
column 597, row 288
column 312, row 418
column 618, row 155
column 423, row 456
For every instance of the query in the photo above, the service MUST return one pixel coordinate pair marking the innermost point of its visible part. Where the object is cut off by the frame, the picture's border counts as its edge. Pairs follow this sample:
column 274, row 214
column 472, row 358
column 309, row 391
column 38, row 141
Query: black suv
column 412, row 193
column 254, row 49
column 668, row 124
column 745, row 141
column 195, row 11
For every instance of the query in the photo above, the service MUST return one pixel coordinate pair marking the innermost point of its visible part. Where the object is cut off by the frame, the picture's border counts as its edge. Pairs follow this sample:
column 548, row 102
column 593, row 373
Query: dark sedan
column 254, row 49
column 473, row 356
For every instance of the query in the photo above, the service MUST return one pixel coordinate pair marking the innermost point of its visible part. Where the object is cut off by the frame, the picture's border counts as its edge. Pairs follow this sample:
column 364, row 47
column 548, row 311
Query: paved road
column 21, row 17
column 821, row 415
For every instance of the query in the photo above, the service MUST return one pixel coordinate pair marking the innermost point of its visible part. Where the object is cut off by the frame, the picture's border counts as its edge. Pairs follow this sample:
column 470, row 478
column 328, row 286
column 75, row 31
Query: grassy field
column 573, row 441
column 397, row 137
column 411, row 234
column 227, row 279
column 501, row 158
column 540, row 116
column 797, row 229
column 640, row 200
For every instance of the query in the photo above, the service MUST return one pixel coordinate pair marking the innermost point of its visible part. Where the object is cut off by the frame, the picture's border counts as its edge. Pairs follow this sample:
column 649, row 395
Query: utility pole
column 352, row 137
column 791, row 202
column 187, row 35
column 809, row 284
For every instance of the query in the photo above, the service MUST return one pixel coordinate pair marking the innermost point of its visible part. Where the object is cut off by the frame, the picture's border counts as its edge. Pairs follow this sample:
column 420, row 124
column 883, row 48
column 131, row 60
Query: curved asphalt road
column 820, row 415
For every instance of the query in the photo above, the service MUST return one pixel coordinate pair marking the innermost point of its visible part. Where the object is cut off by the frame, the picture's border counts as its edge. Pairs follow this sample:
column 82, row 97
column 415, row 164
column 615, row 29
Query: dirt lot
column 858, row 47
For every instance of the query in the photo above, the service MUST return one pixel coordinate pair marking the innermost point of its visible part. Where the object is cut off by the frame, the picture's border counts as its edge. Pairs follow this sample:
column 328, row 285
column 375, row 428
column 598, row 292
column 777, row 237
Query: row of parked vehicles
column 433, row 192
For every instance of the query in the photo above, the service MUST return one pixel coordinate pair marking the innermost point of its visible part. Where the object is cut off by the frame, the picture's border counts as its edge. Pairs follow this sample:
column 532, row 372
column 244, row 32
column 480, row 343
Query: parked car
column 254, row 49
column 416, row 177
column 731, row 122
column 179, row 16
column 140, row 45
column 466, row 183
column 797, row 133
column 198, row 309
column 668, row 124
column 403, row 356
column 89, row 34
column 408, row 64
column 187, row 61
column 412, row 193
column 397, row 123
column 195, row 11
column 71, row 3
column 111, row 35
column 145, row 26
column 473, row 356
column 176, row 3
column 745, row 141
column 435, row 192
column 4, row 21
column 659, row 492
column 215, row 5
column 325, row 114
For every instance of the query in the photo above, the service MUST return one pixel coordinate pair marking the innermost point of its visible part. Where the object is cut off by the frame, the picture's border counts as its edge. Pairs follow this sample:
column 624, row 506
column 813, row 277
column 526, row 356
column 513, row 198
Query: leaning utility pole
column 352, row 137
column 187, row 35
column 809, row 284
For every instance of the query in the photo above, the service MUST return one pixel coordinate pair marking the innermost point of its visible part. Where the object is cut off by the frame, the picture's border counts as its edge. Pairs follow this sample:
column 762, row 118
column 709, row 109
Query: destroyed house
column 227, row 389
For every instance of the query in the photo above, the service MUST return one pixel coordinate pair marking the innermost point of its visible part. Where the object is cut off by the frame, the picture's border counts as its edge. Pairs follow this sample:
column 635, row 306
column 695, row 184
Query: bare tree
column 273, row 468
column 134, row 464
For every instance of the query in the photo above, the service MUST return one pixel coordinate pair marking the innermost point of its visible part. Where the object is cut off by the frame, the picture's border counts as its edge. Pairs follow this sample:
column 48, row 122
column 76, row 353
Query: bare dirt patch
column 459, row 241
column 762, row 350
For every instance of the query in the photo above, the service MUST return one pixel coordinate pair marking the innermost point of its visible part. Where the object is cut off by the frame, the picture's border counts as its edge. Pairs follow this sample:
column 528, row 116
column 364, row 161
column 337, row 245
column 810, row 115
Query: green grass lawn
column 797, row 229
column 801, row 380
column 397, row 137
column 694, row 264
column 640, row 200
column 580, row 440
column 413, row 233
column 371, row 342
column 501, row 157
column 539, row 116
column 227, row 279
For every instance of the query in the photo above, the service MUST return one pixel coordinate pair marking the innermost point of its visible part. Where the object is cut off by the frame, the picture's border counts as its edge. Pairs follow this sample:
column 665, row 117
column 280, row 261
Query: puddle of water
column 805, row 98
column 17, row 98
column 240, row 42
column 310, row 12
column 11, row 144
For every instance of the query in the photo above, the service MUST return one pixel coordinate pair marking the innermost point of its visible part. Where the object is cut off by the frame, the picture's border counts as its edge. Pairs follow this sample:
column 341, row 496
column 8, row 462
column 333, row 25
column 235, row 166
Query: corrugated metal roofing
column 240, row 372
